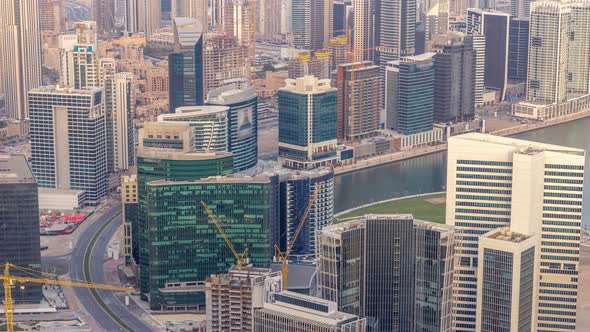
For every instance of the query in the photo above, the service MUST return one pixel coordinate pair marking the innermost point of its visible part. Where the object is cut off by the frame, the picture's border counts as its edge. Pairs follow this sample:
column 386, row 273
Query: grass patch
column 428, row 208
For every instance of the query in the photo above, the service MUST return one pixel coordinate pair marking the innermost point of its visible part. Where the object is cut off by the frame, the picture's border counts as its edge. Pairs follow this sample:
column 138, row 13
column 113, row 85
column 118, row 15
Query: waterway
column 428, row 173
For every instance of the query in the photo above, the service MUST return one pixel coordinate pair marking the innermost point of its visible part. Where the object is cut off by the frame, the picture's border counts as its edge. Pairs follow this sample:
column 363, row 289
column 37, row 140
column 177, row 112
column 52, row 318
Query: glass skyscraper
column 185, row 65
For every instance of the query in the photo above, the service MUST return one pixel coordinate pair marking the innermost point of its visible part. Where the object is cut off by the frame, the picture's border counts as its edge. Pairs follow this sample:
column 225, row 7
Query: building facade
column 518, row 49
column 53, row 16
column 359, row 100
column 307, row 123
column 312, row 23
column 225, row 61
column 185, row 65
column 242, row 122
column 409, row 94
column 68, row 139
column 20, row 239
column 20, row 46
column 535, row 188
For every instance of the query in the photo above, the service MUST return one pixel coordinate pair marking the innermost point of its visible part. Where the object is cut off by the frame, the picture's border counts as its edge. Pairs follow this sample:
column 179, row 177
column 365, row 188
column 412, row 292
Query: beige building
column 224, row 60
column 494, row 182
column 52, row 16
column 20, row 50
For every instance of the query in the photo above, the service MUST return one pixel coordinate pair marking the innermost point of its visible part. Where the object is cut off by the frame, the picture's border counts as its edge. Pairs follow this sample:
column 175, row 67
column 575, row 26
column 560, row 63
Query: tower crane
column 9, row 281
column 240, row 258
column 284, row 256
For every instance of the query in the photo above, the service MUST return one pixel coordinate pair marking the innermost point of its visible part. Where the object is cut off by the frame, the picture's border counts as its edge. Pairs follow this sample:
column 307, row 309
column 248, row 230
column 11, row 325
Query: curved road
column 97, row 256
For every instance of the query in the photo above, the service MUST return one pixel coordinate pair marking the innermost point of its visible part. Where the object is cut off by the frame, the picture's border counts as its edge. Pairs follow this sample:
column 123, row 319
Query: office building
column 52, row 16
column 185, row 65
column 233, row 297
column 68, row 139
column 518, row 49
column 495, row 27
column 547, row 78
column 410, row 94
column 535, row 188
column 395, row 28
column 196, row 9
column 248, row 209
column 395, row 271
column 242, row 122
column 225, row 61
column 342, row 15
column 209, row 126
column 312, row 23
column 19, row 220
column 359, row 100
column 307, row 123
column 292, row 312
column 103, row 13
column 269, row 19
column 149, row 15
column 79, row 65
column 296, row 191
column 132, row 8
column 454, row 76
column 520, row 9
column 317, row 64
column 20, row 46
column 122, row 122
column 507, row 281
column 238, row 21
column 363, row 43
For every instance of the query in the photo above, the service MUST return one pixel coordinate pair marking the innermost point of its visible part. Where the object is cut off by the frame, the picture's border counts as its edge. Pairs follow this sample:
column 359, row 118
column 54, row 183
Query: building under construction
column 316, row 64
column 232, row 297
column 224, row 60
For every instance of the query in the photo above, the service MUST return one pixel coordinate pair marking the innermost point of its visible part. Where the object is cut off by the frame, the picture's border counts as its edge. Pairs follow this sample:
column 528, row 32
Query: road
column 97, row 256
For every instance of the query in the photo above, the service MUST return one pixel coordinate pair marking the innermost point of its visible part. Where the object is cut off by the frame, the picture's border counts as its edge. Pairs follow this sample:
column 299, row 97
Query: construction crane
column 9, row 281
column 284, row 256
column 240, row 258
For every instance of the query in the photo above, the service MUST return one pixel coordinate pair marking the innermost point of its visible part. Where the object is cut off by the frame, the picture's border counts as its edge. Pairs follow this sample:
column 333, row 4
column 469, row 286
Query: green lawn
column 418, row 206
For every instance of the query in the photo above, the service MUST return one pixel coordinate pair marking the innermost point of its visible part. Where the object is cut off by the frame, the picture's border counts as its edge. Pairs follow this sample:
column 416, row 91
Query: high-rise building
column 395, row 27
column 196, row 9
column 225, row 62
column 52, row 16
column 363, row 43
column 68, row 139
column 292, row 312
column 149, row 15
column 86, row 32
column 185, row 65
column 296, row 191
column 209, row 126
column 340, row 51
column 122, row 122
column 103, row 13
column 342, row 14
column 505, row 293
column 19, row 220
column 242, row 122
column 518, row 49
column 130, row 206
column 269, row 19
column 132, row 10
column 311, row 22
column 20, row 46
column 317, row 64
column 184, row 247
column 233, row 297
column 535, row 189
column 410, row 94
column 359, row 100
column 307, row 123
column 520, row 9
column 495, row 27
column 238, row 21
column 395, row 271
column 454, row 76
column 549, row 39
column 579, row 48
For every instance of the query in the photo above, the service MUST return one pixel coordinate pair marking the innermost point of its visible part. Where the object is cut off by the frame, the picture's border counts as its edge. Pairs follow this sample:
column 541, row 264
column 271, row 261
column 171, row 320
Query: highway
column 97, row 256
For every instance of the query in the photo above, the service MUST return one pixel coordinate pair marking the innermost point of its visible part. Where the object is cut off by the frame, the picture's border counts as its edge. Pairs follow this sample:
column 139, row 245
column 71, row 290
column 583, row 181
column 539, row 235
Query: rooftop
column 505, row 234
column 516, row 143
column 15, row 169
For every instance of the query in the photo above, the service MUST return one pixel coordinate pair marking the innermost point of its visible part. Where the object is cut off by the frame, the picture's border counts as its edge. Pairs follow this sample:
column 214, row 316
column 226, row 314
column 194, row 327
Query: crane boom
column 8, row 285
column 284, row 256
column 240, row 258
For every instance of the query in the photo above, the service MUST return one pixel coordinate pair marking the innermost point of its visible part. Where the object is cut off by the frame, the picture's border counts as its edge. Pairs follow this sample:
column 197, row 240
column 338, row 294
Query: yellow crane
column 240, row 258
column 9, row 281
column 284, row 256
